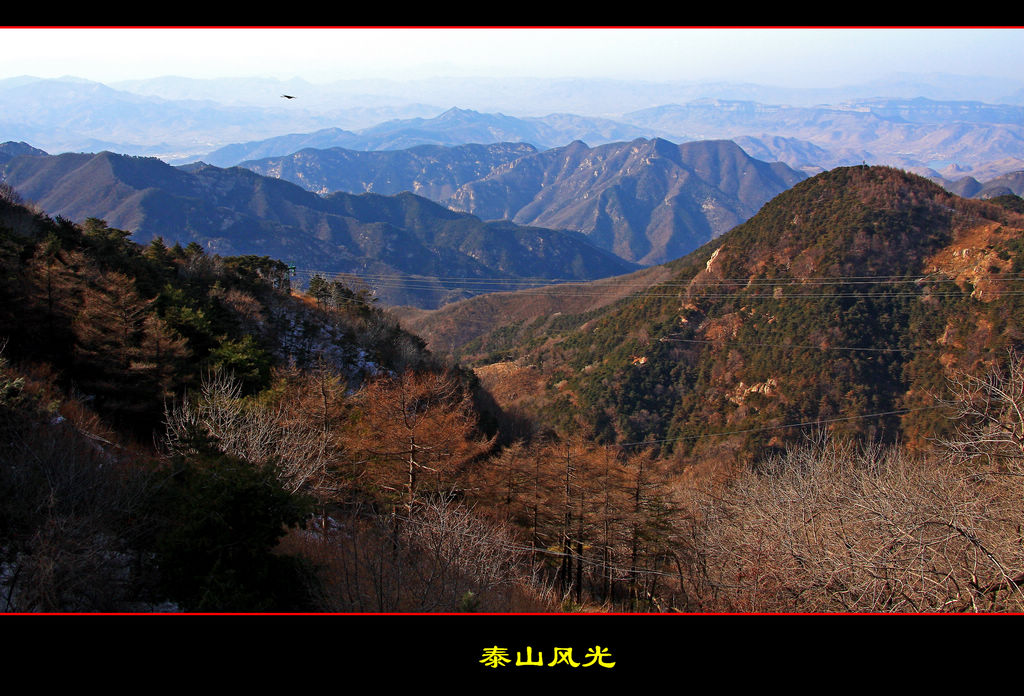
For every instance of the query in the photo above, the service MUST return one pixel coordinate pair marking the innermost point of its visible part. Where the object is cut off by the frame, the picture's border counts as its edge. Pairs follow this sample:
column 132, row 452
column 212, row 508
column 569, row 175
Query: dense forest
column 182, row 431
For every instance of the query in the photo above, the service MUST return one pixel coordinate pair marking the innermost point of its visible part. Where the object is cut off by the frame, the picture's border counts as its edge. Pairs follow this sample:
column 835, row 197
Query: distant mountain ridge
column 432, row 171
column 453, row 127
column 969, row 187
column 918, row 134
column 578, row 95
column 943, row 125
column 232, row 155
column 9, row 150
column 647, row 201
column 236, row 211
column 82, row 115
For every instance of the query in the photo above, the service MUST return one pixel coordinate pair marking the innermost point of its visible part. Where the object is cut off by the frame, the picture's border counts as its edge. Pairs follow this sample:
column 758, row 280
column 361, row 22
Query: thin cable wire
column 794, row 345
column 790, row 280
column 582, row 288
column 779, row 427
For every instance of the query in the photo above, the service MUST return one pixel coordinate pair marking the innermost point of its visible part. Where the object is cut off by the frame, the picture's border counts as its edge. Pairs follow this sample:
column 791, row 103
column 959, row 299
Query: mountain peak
column 456, row 113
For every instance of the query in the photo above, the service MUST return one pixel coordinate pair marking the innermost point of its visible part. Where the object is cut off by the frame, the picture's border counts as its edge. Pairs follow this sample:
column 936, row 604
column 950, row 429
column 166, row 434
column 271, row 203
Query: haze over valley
column 648, row 185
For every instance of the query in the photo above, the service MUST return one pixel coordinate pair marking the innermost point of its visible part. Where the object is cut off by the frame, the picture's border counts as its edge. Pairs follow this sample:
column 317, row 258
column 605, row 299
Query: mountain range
column 949, row 138
column 532, row 95
column 910, row 123
column 619, row 423
column 604, row 210
column 450, row 128
column 647, row 201
column 431, row 171
column 237, row 212
column 716, row 347
column 607, row 209
column 969, row 187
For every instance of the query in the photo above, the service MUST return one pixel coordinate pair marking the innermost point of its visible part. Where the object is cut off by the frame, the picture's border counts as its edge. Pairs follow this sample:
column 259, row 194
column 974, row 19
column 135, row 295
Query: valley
column 472, row 361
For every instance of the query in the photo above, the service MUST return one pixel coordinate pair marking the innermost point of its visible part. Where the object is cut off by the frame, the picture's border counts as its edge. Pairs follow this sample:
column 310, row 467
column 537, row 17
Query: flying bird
column 287, row 96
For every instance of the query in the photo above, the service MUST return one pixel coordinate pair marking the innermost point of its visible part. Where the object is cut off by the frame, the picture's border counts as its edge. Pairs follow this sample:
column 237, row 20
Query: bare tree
column 989, row 413
column 835, row 526
column 445, row 557
column 302, row 450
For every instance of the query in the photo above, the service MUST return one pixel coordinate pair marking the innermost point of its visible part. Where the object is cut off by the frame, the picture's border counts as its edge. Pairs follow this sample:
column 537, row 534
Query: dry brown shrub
column 832, row 526
column 443, row 558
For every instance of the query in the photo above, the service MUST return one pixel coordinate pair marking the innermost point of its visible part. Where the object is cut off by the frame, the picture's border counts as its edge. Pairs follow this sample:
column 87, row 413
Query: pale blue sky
column 786, row 57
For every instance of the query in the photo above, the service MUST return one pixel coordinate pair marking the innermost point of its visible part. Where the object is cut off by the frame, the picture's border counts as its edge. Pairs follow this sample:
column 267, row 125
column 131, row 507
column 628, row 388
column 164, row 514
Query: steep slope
column 482, row 327
column 648, row 201
column 128, row 326
column 236, row 211
column 12, row 149
column 167, row 415
column 849, row 296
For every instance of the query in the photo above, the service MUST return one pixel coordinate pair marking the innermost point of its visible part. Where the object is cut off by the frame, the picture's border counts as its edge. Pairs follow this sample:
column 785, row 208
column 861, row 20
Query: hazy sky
column 786, row 57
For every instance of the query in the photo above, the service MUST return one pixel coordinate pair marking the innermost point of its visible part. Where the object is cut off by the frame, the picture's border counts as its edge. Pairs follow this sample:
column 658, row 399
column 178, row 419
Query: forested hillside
column 819, row 410
column 853, row 293
column 171, row 417
column 814, row 412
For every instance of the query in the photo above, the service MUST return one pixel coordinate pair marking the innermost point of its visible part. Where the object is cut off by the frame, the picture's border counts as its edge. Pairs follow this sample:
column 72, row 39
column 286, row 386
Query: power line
column 779, row 427
column 790, row 280
column 595, row 288
column 575, row 290
column 793, row 345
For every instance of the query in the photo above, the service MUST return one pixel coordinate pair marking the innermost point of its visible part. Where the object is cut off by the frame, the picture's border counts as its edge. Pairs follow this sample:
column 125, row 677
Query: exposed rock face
column 432, row 171
column 647, row 201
